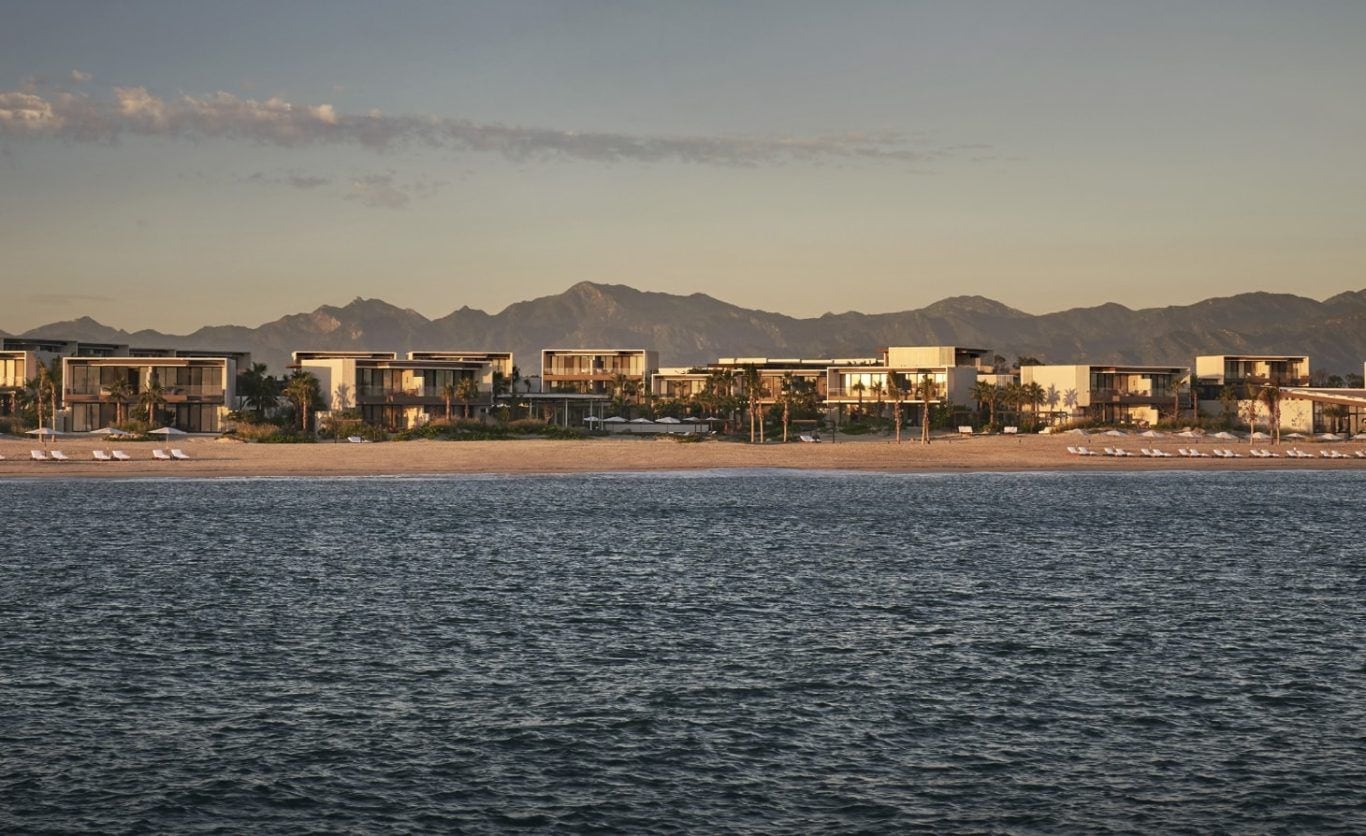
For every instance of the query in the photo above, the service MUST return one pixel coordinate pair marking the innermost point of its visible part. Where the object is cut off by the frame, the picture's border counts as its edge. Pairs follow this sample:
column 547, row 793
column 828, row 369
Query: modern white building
column 399, row 394
column 1112, row 394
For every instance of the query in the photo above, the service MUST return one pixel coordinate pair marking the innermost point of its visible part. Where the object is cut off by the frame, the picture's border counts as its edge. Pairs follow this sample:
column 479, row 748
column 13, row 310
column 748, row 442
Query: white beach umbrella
column 1225, row 435
column 1152, row 434
column 1116, row 432
column 591, row 419
column 615, row 419
column 43, row 431
column 168, row 432
column 112, row 432
column 1077, row 431
column 1259, row 435
column 669, row 419
column 1328, row 437
column 641, row 421
column 1296, row 435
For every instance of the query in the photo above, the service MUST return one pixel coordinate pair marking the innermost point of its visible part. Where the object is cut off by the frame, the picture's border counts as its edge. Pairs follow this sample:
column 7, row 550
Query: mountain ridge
column 697, row 328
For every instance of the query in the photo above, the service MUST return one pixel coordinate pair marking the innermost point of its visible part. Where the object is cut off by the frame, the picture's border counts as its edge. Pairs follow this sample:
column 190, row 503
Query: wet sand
column 219, row 458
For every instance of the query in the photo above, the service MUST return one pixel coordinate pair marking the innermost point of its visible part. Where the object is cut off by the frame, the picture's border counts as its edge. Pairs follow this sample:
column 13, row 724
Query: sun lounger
column 355, row 439
column 1010, row 430
column 809, row 439
column 38, row 455
column 120, row 456
column 101, row 456
column 1086, row 451
column 179, row 454
column 1361, row 454
column 59, row 456
column 161, row 455
column 1119, row 452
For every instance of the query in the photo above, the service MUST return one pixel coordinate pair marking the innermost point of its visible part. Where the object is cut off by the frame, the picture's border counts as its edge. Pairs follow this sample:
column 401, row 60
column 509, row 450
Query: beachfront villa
column 950, row 371
column 1111, row 394
column 596, row 371
column 1231, row 385
column 399, row 394
column 196, row 388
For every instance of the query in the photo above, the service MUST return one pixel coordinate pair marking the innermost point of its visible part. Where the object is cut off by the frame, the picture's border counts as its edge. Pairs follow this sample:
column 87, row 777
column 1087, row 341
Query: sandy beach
column 220, row 458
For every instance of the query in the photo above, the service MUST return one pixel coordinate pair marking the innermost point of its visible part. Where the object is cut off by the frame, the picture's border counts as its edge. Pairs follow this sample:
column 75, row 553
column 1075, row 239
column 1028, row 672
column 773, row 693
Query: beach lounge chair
column 37, row 455
column 1361, row 454
column 1010, row 430
column 179, row 454
column 809, row 439
column 355, row 439
column 1073, row 451
column 1086, row 451
column 1119, row 452
column 120, row 456
column 59, row 456
column 101, row 456
column 161, row 455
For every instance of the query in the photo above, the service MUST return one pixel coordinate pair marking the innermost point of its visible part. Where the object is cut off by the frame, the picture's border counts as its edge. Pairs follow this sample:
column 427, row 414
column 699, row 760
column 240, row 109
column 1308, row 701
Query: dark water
column 760, row 652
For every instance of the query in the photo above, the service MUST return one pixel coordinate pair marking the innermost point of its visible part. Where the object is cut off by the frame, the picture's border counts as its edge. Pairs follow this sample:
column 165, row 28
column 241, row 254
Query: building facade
column 596, row 371
column 196, row 392
column 1113, row 394
column 399, row 394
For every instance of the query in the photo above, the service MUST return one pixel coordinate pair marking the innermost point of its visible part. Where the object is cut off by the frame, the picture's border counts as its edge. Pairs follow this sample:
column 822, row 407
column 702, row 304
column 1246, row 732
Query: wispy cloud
column 79, row 77
column 37, row 112
column 385, row 191
column 293, row 179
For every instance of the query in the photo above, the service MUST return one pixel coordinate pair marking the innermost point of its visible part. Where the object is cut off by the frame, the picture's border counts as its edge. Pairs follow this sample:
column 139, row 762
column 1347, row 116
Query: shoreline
column 211, row 458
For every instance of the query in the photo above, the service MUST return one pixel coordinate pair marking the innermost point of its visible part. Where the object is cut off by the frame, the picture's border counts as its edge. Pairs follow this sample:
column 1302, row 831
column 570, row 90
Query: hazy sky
column 175, row 164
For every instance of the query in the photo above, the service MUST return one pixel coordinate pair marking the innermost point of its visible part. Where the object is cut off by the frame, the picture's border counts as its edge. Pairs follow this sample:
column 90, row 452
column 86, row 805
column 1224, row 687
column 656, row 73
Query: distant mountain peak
column 697, row 328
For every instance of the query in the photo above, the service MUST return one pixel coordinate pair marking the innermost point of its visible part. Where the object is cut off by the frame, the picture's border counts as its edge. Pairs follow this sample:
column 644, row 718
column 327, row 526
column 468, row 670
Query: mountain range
column 695, row 329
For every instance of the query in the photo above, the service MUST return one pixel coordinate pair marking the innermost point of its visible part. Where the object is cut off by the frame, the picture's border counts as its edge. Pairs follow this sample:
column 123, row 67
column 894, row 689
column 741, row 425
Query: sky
column 172, row 165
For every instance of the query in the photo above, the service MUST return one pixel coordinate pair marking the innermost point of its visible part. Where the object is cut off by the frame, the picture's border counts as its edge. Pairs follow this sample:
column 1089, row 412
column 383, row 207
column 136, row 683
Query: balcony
column 1130, row 396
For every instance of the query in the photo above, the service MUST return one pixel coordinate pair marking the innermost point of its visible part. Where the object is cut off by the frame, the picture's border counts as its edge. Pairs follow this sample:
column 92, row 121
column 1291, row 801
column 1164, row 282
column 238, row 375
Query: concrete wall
column 1065, row 387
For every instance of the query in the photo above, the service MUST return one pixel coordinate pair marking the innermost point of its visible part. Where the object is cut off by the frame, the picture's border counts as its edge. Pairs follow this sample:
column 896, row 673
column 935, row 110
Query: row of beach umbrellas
column 617, row 419
column 112, row 432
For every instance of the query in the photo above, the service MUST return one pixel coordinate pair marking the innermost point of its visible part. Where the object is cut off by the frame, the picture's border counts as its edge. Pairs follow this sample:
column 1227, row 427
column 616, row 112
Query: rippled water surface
column 759, row 652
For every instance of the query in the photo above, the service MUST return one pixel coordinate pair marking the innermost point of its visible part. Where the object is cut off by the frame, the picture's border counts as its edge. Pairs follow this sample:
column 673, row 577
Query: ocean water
column 759, row 652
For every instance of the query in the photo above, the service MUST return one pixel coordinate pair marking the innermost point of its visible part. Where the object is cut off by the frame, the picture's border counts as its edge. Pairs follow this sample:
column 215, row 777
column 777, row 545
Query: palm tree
column 1176, row 401
column 151, row 399
column 859, row 388
column 753, row 381
column 468, row 390
column 1251, row 399
column 897, row 384
column 119, row 392
column 986, row 394
column 302, row 389
column 787, row 391
column 1013, row 397
column 924, row 390
column 1034, row 396
column 448, row 393
column 1271, row 396
column 258, row 389
column 54, row 391
column 513, row 379
column 879, row 389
